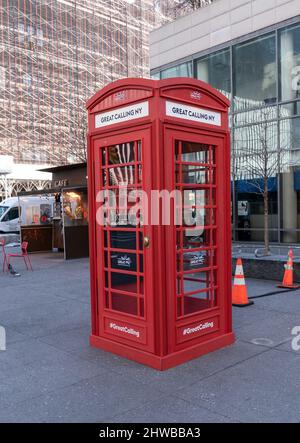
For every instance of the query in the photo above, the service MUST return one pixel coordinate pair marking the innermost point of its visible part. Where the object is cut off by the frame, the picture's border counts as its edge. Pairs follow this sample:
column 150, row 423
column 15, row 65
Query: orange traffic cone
column 239, row 289
column 288, row 274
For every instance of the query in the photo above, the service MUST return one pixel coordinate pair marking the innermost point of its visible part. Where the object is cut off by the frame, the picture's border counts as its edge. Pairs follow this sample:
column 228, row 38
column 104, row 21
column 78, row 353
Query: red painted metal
column 169, row 302
column 23, row 254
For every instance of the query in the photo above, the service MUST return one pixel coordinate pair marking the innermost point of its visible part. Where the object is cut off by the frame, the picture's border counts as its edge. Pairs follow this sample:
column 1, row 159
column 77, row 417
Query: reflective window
column 290, row 135
column 13, row 214
column 155, row 76
column 122, row 234
column 289, row 44
column 215, row 70
column 290, row 179
column 255, row 73
column 183, row 70
column 289, row 109
column 252, row 117
column 255, row 171
column 195, row 239
column 265, row 136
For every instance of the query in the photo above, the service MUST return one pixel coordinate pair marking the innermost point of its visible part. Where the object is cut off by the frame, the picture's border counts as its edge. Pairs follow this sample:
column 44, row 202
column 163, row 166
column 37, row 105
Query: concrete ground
column 50, row 374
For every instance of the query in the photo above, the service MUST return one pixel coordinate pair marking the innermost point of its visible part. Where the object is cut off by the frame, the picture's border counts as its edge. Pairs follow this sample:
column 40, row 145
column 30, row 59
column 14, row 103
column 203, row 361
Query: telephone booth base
column 167, row 361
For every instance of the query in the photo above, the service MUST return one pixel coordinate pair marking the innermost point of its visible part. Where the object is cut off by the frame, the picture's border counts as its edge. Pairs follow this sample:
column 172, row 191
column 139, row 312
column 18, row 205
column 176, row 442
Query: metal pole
column 5, row 186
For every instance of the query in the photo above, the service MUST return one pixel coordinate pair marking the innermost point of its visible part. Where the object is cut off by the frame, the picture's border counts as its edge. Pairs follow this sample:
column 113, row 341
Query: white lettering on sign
column 125, row 329
column 201, row 327
column 124, row 261
column 197, row 259
column 192, row 113
column 120, row 115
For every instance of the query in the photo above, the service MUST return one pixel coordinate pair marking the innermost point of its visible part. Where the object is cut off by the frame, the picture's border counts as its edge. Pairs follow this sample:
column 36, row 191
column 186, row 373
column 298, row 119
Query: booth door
column 195, row 167
column 123, row 254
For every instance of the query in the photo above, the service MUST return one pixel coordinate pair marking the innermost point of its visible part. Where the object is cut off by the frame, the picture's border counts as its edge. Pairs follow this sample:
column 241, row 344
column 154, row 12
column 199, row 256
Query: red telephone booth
column 160, row 283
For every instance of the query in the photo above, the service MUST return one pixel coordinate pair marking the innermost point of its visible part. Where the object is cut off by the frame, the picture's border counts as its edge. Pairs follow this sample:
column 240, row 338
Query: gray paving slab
column 288, row 302
column 170, row 410
column 94, row 400
column 183, row 375
column 272, row 331
column 288, row 345
column 11, row 300
column 50, row 373
column 265, row 388
column 29, row 352
column 13, row 336
column 42, row 319
column 257, row 287
column 45, row 375
column 72, row 340
column 248, row 315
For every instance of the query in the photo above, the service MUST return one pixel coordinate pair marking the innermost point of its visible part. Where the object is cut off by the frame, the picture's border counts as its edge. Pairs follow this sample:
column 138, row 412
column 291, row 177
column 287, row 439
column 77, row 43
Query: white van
column 15, row 212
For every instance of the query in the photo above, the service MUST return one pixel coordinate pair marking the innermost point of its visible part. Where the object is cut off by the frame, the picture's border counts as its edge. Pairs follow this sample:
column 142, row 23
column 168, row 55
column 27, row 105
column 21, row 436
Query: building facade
column 54, row 55
column 250, row 51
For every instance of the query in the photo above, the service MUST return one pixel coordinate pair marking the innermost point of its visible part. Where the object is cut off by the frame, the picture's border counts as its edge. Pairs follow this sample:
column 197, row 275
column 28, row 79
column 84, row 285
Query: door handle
column 146, row 242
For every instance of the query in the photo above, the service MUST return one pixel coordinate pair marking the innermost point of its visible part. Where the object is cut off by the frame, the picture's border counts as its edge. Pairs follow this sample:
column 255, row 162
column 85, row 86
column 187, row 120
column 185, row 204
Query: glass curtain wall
column 215, row 70
column 255, row 135
column 261, row 77
column 182, row 70
column 289, row 128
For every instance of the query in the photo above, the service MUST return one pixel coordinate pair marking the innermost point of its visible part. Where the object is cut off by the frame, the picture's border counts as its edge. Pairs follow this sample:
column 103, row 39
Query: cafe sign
column 60, row 183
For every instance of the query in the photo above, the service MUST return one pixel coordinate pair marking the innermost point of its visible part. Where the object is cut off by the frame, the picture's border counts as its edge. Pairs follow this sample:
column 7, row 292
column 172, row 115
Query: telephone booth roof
column 124, row 92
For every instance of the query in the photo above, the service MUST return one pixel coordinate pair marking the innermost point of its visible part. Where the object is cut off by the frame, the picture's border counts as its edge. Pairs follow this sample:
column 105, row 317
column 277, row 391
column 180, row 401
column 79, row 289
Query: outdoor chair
column 23, row 254
column 2, row 245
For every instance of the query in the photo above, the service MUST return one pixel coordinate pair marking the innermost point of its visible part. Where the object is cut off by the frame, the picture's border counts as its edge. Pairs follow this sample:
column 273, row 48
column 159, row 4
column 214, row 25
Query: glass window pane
column 192, row 152
column 155, row 76
column 290, row 161
column 215, row 70
column 255, row 163
column 123, row 261
column 192, row 174
column 193, row 260
column 183, row 70
column 121, row 153
column 124, row 303
column 255, row 73
column 289, row 109
column 123, row 239
column 124, row 282
column 290, row 135
column 195, row 238
column 198, row 302
column 253, row 235
column 196, row 281
column 289, row 44
column 265, row 114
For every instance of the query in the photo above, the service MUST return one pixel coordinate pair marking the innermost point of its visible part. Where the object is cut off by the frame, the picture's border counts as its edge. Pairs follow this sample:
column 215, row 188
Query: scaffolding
column 54, row 55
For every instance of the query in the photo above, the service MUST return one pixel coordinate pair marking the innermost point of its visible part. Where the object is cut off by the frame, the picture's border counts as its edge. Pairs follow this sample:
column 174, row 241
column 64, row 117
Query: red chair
column 23, row 254
column 2, row 245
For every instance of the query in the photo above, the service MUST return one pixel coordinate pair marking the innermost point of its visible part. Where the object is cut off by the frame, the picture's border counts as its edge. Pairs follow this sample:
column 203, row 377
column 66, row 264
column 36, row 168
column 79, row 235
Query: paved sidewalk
column 50, row 374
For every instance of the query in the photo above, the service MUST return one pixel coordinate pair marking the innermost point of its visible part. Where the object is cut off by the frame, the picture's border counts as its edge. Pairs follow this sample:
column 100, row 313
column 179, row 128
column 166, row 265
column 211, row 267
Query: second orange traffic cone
column 288, row 274
column 239, row 289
